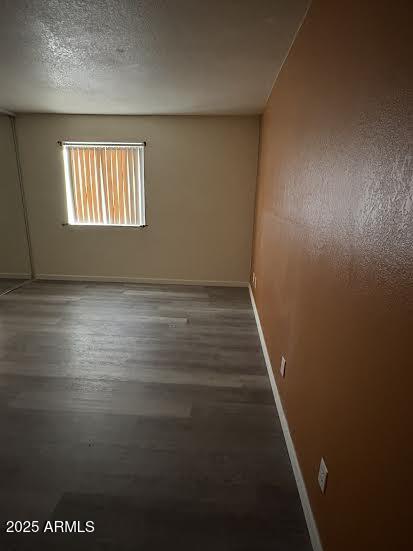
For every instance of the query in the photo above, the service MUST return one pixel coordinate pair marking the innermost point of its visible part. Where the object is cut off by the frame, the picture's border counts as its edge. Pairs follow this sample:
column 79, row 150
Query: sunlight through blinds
column 105, row 184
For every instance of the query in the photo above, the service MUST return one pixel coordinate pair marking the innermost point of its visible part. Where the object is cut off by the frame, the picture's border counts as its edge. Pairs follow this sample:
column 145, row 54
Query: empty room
column 206, row 275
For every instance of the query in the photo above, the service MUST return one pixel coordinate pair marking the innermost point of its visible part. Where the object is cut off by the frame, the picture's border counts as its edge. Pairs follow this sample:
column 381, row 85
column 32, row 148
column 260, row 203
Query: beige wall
column 200, row 187
column 14, row 260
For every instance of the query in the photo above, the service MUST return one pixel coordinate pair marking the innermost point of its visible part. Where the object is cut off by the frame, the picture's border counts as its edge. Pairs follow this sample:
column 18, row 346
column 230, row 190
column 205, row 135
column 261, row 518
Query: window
column 105, row 183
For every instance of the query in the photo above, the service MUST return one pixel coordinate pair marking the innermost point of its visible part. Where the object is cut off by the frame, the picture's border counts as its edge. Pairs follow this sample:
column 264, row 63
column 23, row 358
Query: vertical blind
column 105, row 183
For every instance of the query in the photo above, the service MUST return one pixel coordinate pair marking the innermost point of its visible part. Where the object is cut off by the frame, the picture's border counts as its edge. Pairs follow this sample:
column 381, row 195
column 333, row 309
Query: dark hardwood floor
column 147, row 410
column 6, row 284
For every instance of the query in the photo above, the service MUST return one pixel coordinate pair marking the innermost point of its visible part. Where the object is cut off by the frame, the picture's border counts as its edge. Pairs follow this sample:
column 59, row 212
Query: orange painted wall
column 334, row 263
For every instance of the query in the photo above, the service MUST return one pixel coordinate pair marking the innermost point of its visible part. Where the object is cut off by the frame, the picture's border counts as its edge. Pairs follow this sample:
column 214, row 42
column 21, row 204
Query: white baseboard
column 160, row 281
column 15, row 276
column 305, row 502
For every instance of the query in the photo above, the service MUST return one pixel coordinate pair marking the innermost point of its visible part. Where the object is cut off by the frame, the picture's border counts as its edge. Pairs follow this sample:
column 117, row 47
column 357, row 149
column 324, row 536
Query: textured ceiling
column 143, row 56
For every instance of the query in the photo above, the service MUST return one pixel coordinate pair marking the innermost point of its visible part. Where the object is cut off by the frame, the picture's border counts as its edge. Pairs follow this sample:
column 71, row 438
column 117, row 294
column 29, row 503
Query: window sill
column 126, row 226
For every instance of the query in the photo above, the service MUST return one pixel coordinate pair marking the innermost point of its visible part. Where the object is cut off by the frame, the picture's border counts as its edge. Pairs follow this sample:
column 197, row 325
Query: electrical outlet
column 322, row 475
column 254, row 280
column 282, row 366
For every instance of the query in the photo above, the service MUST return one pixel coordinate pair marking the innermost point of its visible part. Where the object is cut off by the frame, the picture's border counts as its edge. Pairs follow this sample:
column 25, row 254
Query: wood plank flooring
column 6, row 283
column 146, row 409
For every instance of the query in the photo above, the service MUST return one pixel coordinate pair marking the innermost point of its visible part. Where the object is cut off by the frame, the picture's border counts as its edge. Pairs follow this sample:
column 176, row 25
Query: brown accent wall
column 333, row 260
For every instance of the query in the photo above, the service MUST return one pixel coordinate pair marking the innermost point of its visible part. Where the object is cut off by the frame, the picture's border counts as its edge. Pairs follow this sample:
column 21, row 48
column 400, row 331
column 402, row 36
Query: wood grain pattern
column 6, row 284
column 146, row 409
